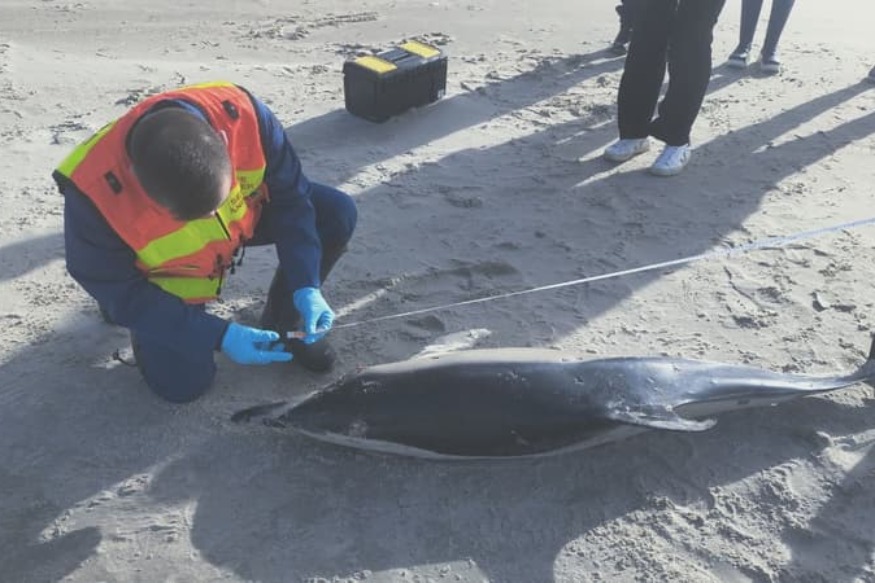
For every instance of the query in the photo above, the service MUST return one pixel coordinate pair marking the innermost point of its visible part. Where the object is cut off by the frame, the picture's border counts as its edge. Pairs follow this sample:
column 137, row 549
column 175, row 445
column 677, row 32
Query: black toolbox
column 377, row 87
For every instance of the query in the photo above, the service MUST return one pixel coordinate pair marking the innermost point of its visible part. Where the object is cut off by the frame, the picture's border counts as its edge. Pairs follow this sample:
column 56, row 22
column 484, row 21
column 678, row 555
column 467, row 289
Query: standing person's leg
column 689, row 70
column 777, row 19
column 619, row 44
column 642, row 78
column 628, row 9
column 750, row 14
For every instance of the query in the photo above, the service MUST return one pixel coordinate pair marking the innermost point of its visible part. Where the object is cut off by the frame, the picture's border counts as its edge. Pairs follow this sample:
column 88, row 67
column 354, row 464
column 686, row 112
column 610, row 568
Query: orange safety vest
column 186, row 259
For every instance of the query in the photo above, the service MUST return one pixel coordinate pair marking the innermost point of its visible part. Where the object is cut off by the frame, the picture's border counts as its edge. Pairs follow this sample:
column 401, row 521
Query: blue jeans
column 183, row 377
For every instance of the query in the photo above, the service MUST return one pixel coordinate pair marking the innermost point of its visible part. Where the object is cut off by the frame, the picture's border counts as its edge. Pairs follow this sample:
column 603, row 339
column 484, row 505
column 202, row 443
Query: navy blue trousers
column 181, row 378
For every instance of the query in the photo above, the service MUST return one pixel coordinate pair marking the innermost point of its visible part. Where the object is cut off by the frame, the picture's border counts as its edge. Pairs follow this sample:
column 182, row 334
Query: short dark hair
column 181, row 162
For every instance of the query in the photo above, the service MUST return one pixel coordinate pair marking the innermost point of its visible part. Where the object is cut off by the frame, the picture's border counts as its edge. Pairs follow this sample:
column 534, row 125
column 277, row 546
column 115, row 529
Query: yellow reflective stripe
column 423, row 50
column 234, row 208
column 207, row 85
column 191, row 238
column 376, row 64
column 72, row 161
column 188, row 288
column 250, row 180
column 196, row 234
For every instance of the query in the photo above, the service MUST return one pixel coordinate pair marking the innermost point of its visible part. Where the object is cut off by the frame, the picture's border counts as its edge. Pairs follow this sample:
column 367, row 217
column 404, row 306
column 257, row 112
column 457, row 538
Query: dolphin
column 527, row 402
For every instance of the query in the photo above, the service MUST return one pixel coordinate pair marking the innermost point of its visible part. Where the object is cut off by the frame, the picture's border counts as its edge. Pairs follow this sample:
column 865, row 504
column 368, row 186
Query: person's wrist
column 303, row 296
column 305, row 291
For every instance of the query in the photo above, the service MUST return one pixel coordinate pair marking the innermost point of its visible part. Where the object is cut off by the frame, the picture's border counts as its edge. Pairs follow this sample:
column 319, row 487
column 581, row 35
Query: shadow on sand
column 312, row 510
column 292, row 508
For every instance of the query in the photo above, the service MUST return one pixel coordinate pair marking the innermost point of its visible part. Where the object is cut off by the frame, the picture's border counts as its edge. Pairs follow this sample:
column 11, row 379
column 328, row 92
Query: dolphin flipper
column 660, row 418
column 258, row 411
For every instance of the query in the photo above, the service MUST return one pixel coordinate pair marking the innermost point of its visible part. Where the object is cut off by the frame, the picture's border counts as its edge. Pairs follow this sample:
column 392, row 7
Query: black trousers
column 627, row 11
column 668, row 33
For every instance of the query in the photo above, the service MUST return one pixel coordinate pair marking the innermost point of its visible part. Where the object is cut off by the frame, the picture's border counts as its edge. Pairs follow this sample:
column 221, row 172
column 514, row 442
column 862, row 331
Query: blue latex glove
column 315, row 311
column 245, row 345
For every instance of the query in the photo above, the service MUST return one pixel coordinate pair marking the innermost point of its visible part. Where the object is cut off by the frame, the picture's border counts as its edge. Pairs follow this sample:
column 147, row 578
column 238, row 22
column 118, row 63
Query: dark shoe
column 281, row 316
column 316, row 357
column 770, row 64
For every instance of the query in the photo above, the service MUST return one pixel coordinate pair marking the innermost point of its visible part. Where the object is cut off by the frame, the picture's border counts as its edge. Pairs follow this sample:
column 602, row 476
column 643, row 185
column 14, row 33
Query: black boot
column 317, row 357
column 281, row 316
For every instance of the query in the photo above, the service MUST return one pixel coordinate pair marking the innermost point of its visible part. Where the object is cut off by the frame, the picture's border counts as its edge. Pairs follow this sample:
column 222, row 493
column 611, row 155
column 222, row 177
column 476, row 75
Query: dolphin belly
column 616, row 432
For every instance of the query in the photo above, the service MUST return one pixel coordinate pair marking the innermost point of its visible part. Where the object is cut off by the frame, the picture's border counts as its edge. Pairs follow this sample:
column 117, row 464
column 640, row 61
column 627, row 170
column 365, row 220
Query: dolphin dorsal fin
column 659, row 418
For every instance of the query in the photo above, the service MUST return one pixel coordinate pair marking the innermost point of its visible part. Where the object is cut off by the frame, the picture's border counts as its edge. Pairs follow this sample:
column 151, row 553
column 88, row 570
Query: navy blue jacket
column 104, row 265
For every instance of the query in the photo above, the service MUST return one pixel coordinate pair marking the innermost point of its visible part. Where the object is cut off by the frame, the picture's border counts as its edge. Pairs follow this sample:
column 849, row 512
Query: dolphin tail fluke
column 661, row 418
column 268, row 410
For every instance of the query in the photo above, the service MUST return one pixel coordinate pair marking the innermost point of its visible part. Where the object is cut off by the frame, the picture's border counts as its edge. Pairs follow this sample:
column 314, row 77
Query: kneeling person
column 160, row 206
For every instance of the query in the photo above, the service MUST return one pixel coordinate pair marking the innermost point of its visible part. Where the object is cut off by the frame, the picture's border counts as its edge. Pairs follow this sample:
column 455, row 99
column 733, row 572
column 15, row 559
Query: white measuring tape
column 769, row 243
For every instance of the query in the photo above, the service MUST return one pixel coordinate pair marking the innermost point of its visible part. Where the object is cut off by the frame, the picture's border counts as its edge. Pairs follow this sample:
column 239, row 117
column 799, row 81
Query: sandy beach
column 499, row 187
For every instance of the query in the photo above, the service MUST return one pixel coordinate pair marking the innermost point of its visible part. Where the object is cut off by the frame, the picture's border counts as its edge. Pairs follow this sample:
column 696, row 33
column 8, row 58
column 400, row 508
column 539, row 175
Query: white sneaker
column 671, row 161
column 871, row 76
column 738, row 59
column 623, row 150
